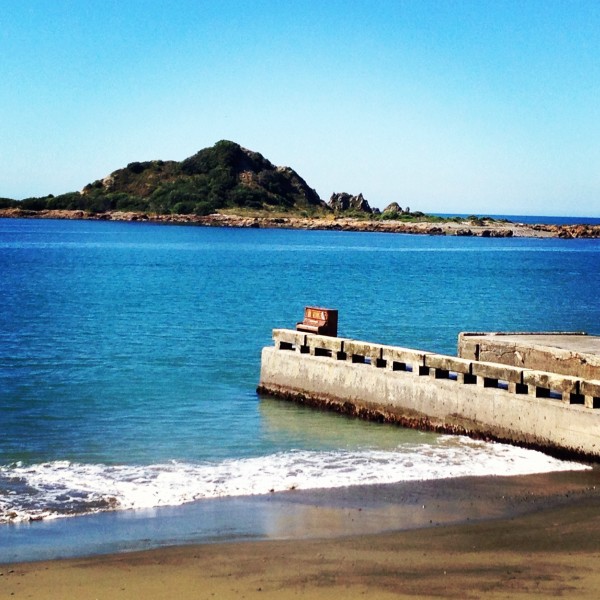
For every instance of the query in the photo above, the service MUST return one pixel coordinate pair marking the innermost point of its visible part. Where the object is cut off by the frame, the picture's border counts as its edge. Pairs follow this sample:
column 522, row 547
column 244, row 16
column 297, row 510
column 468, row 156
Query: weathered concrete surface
column 425, row 402
column 577, row 355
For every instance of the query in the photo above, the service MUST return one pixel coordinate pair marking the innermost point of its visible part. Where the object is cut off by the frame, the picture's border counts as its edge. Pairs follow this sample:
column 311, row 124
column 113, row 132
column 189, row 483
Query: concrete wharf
column 539, row 390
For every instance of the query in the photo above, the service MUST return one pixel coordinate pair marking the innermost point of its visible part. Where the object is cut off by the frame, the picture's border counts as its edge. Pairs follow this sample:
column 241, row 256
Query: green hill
column 224, row 176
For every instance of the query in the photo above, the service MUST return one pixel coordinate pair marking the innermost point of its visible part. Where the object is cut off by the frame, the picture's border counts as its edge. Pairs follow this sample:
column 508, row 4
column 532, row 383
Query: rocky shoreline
column 466, row 228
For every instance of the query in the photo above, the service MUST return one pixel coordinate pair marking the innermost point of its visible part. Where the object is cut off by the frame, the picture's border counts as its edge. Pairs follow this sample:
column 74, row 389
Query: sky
column 485, row 107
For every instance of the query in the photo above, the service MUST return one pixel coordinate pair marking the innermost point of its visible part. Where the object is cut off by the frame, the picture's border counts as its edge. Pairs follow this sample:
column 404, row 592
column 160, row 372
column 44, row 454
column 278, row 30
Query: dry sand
column 546, row 544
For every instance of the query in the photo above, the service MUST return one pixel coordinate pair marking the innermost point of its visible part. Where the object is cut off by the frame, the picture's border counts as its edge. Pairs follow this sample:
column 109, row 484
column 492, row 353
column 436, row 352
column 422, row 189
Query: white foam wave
column 61, row 488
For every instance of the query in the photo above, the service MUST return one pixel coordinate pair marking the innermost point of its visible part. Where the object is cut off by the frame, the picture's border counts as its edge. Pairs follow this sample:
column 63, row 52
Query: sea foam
column 61, row 488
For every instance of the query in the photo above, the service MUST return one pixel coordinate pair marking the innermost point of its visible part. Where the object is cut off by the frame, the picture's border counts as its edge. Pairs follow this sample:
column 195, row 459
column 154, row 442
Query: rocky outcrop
column 436, row 231
column 340, row 202
column 577, row 231
column 497, row 233
column 393, row 209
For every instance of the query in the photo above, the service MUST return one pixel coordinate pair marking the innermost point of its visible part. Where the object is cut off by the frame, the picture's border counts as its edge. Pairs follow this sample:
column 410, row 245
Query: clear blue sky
column 444, row 106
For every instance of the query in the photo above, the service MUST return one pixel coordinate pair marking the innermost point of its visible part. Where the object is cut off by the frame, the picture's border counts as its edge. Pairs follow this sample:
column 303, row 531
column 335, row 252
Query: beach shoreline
column 492, row 228
column 458, row 538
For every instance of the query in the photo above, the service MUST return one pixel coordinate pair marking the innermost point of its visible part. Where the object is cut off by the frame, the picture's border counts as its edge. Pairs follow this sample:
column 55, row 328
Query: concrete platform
column 576, row 354
column 504, row 387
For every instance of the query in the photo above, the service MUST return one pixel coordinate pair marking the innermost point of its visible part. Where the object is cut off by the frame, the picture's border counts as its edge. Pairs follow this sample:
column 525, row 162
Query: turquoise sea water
column 130, row 354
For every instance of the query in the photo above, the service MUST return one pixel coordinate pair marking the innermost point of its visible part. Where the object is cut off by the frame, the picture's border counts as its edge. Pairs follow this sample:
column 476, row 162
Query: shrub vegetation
column 221, row 177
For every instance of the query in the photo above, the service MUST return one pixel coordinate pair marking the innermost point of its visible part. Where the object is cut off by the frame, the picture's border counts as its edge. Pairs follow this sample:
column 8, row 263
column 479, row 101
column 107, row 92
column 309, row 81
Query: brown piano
column 322, row 321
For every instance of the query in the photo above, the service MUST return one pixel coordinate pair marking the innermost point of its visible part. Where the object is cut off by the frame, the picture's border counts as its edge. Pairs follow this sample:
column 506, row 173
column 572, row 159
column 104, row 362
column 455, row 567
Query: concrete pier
column 557, row 411
column 568, row 353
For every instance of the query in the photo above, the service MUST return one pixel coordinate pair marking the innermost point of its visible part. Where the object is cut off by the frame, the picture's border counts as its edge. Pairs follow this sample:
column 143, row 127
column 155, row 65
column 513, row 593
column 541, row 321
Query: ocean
column 130, row 355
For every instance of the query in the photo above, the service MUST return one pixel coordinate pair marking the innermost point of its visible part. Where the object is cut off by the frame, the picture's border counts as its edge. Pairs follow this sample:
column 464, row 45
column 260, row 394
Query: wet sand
column 522, row 537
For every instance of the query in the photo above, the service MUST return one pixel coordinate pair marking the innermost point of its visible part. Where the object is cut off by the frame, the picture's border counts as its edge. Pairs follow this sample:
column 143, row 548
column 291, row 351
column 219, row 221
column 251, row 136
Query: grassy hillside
column 221, row 177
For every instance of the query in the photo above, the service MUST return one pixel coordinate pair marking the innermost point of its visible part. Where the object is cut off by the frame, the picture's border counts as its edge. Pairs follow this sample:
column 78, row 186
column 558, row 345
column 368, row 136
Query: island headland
column 229, row 186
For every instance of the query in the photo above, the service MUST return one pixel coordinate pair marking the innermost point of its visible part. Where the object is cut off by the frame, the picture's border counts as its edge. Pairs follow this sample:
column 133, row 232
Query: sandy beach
column 522, row 537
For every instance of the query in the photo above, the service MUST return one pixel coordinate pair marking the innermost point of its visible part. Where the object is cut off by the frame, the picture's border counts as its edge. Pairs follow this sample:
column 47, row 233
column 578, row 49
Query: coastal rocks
column 297, row 187
column 567, row 231
column 107, row 182
column 501, row 233
column 394, row 210
column 18, row 213
column 339, row 222
column 340, row 202
column 577, row 231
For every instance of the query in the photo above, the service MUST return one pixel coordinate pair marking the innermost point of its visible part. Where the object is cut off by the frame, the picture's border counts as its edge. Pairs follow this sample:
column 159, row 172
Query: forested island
column 227, row 185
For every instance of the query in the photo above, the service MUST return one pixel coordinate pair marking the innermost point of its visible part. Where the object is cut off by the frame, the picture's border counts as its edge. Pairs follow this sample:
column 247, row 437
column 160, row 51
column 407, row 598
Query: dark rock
column 464, row 232
column 342, row 201
column 394, row 209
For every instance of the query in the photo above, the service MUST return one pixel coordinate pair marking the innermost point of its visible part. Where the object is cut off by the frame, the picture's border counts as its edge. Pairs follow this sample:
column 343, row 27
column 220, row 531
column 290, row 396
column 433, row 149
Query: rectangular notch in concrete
column 361, row 359
column 576, row 399
column 496, row 383
column 323, row 352
column 440, row 373
column 401, row 366
column 286, row 346
column 544, row 392
column 490, row 382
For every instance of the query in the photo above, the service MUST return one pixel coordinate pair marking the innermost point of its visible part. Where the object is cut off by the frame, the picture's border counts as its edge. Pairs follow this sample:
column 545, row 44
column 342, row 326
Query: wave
column 62, row 488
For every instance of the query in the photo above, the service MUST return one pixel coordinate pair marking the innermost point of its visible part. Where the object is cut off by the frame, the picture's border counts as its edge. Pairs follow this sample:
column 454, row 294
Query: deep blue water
column 137, row 346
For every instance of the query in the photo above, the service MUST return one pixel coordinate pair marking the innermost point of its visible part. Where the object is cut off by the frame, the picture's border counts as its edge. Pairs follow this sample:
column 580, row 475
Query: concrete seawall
column 553, row 412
